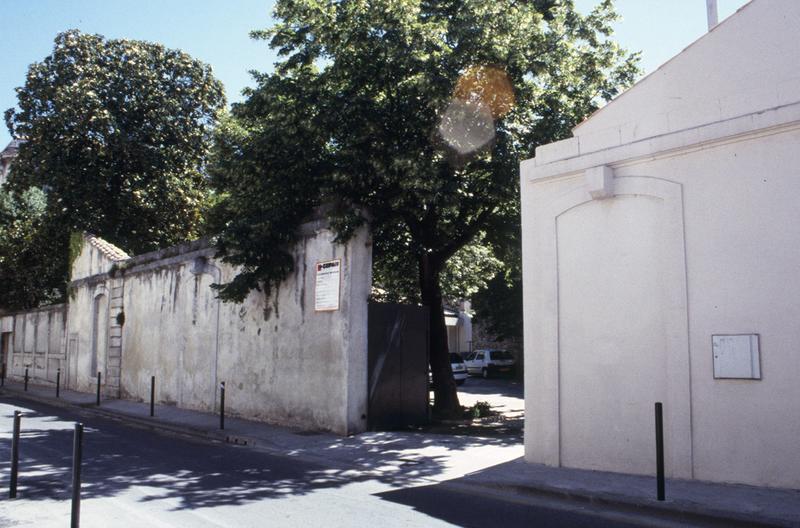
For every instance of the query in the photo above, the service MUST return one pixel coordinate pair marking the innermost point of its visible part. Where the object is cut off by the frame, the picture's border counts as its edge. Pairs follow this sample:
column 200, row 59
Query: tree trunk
column 445, row 396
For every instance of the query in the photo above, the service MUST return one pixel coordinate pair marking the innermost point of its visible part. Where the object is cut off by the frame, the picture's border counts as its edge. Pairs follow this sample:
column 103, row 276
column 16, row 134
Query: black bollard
column 12, row 488
column 58, row 383
column 98, row 388
column 26, row 379
column 659, row 452
column 222, row 405
column 77, row 455
column 152, row 395
column 3, row 375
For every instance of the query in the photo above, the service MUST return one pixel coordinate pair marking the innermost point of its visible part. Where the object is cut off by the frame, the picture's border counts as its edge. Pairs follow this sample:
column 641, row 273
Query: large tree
column 414, row 114
column 29, row 275
column 117, row 131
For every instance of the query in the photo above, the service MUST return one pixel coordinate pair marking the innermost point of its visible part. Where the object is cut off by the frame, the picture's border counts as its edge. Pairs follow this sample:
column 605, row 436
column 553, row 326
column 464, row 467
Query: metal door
column 398, row 365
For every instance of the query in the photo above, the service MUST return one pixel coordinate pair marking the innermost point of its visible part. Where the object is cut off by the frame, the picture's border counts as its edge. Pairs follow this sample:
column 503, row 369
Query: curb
column 147, row 423
column 670, row 511
column 154, row 424
column 682, row 512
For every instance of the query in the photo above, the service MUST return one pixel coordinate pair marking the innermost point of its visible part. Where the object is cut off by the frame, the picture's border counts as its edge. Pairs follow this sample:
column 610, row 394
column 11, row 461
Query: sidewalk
column 465, row 463
column 407, row 458
column 686, row 501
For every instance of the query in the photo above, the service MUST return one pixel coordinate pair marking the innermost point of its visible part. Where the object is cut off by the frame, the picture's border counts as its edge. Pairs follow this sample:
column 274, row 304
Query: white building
column 661, row 251
column 459, row 328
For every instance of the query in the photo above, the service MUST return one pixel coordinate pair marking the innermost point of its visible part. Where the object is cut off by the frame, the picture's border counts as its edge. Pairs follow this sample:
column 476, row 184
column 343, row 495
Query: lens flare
column 488, row 86
column 466, row 126
column 482, row 95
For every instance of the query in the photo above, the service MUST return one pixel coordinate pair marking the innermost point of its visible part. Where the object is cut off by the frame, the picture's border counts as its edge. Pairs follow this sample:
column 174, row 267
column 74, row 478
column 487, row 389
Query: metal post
column 3, row 375
column 659, row 451
column 58, row 383
column 222, row 405
column 12, row 488
column 77, row 455
column 26, row 379
column 711, row 13
column 152, row 395
column 98, row 388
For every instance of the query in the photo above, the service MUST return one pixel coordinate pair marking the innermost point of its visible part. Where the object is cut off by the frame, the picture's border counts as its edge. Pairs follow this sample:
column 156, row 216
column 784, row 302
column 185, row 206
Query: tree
column 29, row 275
column 117, row 131
column 412, row 113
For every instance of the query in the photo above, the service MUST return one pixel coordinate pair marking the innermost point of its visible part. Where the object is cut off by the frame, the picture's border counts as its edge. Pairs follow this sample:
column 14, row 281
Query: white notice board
column 326, row 285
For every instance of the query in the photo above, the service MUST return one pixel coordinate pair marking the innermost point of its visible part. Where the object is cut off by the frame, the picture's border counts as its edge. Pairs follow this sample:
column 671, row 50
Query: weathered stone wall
column 282, row 361
column 37, row 342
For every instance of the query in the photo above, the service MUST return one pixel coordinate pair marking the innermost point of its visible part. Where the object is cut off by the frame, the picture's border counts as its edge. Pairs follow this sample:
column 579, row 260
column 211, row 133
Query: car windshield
column 501, row 354
column 455, row 358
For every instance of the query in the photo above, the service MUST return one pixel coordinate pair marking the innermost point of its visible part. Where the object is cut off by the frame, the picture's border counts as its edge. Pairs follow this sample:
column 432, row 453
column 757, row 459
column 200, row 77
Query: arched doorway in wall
column 99, row 334
column 611, row 334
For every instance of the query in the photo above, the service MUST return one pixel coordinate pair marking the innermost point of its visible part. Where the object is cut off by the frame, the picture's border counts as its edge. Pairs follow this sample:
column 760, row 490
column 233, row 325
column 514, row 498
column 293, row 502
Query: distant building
column 661, row 250
column 458, row 321
column 6, row 158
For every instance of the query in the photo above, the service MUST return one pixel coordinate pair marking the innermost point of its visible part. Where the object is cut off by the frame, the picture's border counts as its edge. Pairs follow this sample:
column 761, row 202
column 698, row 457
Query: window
column 501, row 354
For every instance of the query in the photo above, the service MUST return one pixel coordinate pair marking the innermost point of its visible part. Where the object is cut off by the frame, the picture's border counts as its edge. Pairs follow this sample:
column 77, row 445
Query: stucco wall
column 622, row 296
column 37, row 342
column 713, row 79
column 282, row 361
column 636, row 252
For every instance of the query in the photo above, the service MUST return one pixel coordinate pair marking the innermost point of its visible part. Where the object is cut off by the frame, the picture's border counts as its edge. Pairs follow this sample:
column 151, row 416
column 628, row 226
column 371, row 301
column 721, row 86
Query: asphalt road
column 503, row 394
column 134, row 477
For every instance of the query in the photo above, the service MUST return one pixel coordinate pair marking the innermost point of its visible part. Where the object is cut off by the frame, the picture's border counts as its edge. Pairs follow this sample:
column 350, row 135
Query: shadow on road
column 199, row 475
column 474, row 509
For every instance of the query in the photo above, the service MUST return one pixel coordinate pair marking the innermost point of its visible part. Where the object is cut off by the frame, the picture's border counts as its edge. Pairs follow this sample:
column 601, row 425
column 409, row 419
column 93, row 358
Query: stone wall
column 36, row 342
column 282, row 361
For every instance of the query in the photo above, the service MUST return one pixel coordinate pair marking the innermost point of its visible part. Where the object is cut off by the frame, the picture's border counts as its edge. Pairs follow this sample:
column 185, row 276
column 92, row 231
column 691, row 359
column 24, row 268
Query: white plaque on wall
column 736, row 356
column 326, row 286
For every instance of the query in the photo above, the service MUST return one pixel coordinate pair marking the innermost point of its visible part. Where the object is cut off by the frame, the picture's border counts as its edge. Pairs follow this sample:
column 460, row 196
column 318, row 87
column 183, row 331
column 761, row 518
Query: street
column 134, row 477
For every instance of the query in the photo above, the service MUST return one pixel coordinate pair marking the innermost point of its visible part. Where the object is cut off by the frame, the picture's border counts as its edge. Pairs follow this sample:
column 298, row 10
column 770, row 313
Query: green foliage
column 415, row 114
column 469, row 271
column 118, row 132
column 75, row 247
column 481, row 409
column 29, row 275
column 355, row 114
column 499, row 306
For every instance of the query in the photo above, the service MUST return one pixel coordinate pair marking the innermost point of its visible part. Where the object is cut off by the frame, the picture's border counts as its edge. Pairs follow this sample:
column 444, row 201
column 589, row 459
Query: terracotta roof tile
column 107, row 248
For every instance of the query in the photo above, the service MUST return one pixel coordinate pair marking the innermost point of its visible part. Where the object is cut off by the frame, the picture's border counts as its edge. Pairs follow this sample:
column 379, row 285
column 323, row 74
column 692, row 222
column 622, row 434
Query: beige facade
column 660, row 252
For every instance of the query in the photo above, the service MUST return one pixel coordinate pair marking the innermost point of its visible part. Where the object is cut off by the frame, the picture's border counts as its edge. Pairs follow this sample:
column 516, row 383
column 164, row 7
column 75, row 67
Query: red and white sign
column 327, row 285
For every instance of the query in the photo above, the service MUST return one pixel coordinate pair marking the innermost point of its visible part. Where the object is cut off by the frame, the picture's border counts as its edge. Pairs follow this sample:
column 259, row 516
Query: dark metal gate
column 398, row 365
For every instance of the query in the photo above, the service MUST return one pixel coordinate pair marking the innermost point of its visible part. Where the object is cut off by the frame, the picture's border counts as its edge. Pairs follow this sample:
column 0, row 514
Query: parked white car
column 490, row 362
column 460, row 373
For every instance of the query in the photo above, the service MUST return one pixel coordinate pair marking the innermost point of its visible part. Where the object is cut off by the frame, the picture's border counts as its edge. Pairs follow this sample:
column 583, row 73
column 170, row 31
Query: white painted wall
column 97, row 256
column 734, row 70
column 282, row 362
column 700, row 236
column 37, row 342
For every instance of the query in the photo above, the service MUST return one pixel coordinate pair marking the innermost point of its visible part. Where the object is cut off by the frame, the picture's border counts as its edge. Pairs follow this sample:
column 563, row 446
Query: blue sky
column 217, row 32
